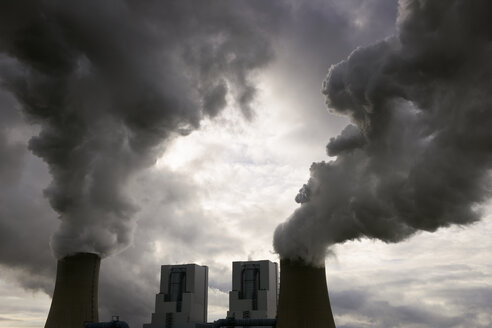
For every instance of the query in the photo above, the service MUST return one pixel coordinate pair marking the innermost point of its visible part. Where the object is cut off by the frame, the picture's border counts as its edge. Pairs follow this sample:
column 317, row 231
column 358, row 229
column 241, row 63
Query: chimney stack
column 75, row 297
column 303, row 300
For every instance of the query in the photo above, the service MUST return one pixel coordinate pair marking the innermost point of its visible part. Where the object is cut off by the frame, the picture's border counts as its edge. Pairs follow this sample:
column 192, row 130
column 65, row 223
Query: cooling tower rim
column 80, row 254
column 299, row 262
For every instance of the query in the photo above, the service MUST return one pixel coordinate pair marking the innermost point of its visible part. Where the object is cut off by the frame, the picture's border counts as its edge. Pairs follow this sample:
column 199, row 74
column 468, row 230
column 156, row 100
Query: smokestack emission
column 417, row 154
column 108, row 100
column 75, row 299
column 304, row 300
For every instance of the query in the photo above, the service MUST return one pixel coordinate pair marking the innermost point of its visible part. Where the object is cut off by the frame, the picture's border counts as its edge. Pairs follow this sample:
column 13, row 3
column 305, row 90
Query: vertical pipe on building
column 303, row 300
column 75, row 298
column 205, row 283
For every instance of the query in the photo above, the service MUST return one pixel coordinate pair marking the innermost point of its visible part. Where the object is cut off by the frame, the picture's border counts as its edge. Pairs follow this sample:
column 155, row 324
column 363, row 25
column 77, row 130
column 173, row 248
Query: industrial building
column 303, row 300
column 254, row 290
column 182, row 299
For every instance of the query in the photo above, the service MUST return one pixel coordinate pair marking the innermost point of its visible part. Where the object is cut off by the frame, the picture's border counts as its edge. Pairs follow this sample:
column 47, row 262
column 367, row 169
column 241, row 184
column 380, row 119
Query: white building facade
column 254, row 290
column 183, row 296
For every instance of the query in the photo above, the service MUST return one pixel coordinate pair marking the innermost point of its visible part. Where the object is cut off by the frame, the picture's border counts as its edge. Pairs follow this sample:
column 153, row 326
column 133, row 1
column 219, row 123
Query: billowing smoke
column 108, row 83
column 418, row 152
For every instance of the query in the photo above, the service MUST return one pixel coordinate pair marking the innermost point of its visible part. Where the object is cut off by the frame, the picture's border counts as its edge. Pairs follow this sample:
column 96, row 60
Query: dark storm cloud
column 421, row 101
column 108, row 83
column 350, row 139
column 80, row 70
column 25, row 224
column 370, row 20
column 12, row 151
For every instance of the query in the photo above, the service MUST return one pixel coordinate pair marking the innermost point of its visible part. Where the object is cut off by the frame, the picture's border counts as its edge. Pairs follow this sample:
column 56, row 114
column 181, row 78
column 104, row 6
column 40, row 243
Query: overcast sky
column 181, row 132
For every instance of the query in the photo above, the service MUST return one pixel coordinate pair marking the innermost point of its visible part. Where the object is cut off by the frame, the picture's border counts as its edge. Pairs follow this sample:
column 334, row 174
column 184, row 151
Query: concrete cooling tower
column 75, row 297
column 303, row 300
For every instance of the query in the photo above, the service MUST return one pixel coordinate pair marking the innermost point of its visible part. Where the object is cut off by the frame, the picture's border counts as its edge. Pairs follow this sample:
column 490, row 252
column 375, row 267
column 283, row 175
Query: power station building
column 254, row 290
column 182, row 299
column 303, row 301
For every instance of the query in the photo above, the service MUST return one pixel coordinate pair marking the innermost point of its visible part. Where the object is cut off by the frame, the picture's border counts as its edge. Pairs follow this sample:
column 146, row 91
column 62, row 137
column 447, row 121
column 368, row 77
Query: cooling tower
column 303, row 300
column 75, row 297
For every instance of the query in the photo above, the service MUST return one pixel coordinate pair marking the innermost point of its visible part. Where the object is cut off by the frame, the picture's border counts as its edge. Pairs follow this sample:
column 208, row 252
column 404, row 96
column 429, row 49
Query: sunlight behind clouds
column 243, row 169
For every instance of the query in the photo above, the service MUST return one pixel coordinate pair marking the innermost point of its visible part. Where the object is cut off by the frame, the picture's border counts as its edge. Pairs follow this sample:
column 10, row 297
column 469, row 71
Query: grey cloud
column 370, row 19
column 8, row 319
column 321, row 33
column 25, row 228
column 349, row 139
column 411, row 299
column 403, row 316
column 172, row 228
column 109, row 84
column 119, row 78
column 25, row 221
column 13, row 151
column 420, row 99
column 11, row 165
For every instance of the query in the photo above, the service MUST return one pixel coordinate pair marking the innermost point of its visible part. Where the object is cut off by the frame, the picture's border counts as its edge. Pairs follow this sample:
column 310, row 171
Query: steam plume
column 418, row 154
column 108, row 83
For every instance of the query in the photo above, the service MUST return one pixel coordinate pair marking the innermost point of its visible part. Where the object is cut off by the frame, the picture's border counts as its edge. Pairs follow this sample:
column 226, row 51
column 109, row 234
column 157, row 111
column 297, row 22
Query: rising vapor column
column 303, row 301
column 75, row 299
